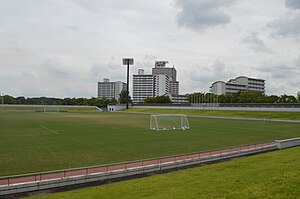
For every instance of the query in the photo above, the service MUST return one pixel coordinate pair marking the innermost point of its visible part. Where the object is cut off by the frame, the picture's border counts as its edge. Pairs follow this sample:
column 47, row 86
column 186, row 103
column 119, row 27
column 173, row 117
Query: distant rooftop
column 160, row 64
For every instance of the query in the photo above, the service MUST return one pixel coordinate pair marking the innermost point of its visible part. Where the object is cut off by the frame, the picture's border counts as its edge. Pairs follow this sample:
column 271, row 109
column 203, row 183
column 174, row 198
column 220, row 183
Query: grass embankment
column 271, row 175
column 243, row 114
column 33, row 142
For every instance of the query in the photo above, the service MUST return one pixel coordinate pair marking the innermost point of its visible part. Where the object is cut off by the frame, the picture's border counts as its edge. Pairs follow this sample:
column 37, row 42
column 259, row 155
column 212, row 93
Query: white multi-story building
column 143, row 86
column 149, row 86
column 111, row 90
column 241, row 83
column 161, row 82
column 161, row 69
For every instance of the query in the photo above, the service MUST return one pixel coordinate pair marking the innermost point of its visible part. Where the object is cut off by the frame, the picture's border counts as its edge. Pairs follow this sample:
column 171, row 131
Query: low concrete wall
column 117, row 107
column 222, row 108
column 14, row 190
column 282, row 144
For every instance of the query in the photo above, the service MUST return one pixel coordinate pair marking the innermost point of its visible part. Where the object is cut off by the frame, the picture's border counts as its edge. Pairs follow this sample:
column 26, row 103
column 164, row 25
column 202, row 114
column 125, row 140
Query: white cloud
column 286, row 26
column 255, row 43
column 286, row 76
column 62, row 48
column 292, row 4
column 200, row 15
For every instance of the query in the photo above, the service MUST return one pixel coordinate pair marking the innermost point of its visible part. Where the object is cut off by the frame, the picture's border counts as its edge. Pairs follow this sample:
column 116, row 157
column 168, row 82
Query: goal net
column 169, row 122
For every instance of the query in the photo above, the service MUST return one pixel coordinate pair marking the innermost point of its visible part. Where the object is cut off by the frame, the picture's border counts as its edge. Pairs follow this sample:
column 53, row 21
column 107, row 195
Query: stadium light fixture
column 127, row 61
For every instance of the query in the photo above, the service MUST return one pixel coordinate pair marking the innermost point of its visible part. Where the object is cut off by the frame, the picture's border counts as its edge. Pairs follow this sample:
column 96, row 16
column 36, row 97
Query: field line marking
column 47, row 129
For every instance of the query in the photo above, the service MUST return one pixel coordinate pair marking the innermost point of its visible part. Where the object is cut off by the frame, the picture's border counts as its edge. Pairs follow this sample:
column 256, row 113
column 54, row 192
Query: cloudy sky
column 63, row 48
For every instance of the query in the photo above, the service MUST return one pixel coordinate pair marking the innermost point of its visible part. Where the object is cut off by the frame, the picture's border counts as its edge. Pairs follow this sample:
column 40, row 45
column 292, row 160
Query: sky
column 63, row 48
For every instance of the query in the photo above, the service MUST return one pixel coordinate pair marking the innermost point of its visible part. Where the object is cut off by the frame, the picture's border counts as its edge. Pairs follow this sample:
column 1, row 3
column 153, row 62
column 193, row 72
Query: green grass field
column 33, row 142
column 271, row 175
column 243, row 114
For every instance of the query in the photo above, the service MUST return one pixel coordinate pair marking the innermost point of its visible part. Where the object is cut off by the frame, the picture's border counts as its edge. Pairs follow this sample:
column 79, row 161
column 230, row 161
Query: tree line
column 242, row 97
column 200, row 97
column 100, row 102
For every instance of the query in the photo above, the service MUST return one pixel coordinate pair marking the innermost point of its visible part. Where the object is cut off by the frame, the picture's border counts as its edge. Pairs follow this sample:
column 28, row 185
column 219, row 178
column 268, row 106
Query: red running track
column 30, row 178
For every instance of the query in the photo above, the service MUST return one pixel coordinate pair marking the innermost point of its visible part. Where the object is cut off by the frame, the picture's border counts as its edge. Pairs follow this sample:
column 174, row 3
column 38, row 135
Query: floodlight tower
column 127, row 61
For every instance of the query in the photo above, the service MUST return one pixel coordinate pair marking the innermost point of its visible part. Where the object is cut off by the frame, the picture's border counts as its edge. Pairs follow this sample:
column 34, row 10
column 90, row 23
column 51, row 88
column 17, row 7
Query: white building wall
column 119, row 87
column 218, row 88
column 240, row 83
column 162, row 85
column 110, row 90
column 106, row 89
column 143, row 87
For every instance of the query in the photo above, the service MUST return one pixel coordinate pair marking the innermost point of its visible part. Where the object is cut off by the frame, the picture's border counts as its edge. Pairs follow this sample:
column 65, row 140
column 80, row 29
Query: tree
column 272, row 99
column 9, row 99
column 123, row 97
column 103, row 102
column 158, row 99
column 287, row 99
column 250, row 97
column 298, row 96
column 21, row 100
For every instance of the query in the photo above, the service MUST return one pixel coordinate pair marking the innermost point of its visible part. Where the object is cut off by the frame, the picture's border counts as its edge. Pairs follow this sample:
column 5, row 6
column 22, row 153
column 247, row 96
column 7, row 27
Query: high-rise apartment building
column 241, row 83
column 161, row 69
column 111, row 90
column 143, row 86
column 161, row 82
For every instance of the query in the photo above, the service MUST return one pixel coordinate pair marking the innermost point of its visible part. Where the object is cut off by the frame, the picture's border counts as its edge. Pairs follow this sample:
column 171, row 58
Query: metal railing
column 84, row 171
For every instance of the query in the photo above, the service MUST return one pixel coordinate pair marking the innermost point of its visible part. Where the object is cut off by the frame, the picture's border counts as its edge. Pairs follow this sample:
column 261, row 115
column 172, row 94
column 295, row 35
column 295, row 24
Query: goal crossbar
column 169, row 122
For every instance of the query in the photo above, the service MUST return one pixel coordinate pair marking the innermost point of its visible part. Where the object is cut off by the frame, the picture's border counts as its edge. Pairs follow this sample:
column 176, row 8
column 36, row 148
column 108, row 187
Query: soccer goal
column 169, row 122
column 51, row 109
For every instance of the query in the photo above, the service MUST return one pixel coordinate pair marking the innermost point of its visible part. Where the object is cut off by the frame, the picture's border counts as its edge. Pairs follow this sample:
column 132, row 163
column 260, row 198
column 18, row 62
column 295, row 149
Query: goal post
column 169, row 122
column 51, row 109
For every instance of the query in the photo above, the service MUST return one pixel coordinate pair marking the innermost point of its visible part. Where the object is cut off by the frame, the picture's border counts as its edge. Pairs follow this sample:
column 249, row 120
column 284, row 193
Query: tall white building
column 241, row 83
column 143, row 86
column 161, row 69
column 111, row 90
column 161, row 82
column 149, row 86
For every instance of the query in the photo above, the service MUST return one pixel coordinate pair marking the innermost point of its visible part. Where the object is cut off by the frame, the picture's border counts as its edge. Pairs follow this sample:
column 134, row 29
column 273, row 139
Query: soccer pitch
column 33, row 142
